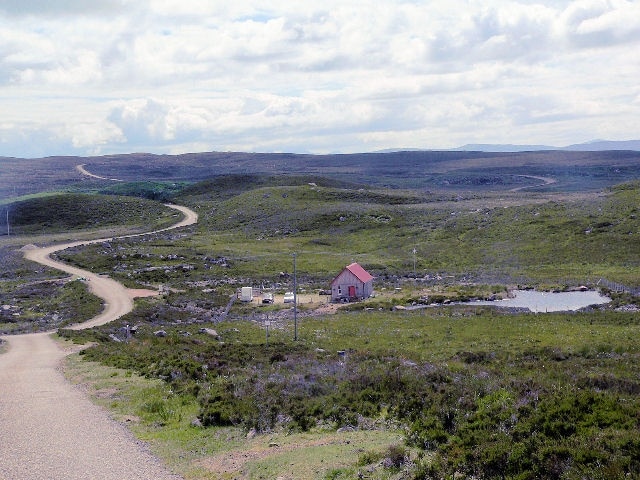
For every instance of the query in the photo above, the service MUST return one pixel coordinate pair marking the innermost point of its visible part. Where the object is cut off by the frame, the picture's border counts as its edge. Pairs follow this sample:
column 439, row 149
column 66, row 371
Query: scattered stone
column 251, row 433
column 628, row 308
column 346, row 428
column 160, row 333
column 209, row 331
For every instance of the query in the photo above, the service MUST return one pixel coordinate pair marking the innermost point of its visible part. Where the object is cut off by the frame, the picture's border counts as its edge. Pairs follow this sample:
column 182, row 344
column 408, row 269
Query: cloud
column 41, row 8
column 164, row 75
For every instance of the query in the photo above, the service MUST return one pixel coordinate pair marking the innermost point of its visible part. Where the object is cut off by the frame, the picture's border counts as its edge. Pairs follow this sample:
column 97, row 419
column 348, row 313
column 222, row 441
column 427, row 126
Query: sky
column 100, row 77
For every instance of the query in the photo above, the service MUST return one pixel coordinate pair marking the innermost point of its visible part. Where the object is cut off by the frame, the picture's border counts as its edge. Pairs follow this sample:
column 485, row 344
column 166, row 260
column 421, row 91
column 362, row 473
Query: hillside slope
column 432, row 170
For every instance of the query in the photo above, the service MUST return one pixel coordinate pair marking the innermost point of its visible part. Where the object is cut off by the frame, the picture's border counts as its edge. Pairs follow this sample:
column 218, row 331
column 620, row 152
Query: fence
column 618, row 287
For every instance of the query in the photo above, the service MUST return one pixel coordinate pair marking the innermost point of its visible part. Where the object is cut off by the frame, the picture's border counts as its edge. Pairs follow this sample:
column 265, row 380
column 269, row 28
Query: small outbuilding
column 353, row 283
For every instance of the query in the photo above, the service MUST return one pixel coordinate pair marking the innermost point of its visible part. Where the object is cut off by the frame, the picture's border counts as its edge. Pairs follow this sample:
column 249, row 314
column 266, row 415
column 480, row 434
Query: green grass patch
column 253, row 234
column 159, row 417
column 158, row 191
column 66, row 212
column 45, row 305
column 464, row 383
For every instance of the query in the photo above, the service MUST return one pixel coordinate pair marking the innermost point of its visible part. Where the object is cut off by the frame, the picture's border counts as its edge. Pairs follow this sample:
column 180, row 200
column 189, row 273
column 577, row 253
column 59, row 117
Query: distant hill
column 508, row 148
column 604, row 145
column 592, row 146
column 572, row 169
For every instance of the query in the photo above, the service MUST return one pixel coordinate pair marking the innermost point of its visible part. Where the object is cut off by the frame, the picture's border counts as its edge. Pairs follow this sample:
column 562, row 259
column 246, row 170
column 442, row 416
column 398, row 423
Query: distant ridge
column 592, row 146
column 487, row 147
column 603, row 145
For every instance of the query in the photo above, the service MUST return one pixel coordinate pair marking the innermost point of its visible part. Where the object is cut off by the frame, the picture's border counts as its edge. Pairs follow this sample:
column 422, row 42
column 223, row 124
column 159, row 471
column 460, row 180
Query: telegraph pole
column 295, row 300
column 414, row 251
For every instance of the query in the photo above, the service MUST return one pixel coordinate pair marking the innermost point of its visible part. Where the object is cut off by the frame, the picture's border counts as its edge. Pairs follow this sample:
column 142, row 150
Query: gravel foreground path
column 50, row 430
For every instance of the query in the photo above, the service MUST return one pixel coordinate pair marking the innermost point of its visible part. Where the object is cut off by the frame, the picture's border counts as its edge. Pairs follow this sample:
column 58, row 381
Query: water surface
column 549, row 301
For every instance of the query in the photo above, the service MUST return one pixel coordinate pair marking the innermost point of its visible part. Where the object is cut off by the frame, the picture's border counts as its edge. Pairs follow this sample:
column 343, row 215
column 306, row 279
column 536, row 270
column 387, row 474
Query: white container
column 246, row 294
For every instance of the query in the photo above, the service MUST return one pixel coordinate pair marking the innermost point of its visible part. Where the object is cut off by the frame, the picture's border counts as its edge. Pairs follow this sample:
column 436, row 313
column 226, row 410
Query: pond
column 549, row 301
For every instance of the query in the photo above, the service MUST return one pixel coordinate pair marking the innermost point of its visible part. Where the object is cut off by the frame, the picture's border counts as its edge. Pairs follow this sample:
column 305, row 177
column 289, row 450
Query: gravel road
column 49, row 429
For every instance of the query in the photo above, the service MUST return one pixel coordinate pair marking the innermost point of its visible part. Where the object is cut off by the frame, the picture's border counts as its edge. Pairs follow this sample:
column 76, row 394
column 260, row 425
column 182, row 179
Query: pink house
column 353, row 283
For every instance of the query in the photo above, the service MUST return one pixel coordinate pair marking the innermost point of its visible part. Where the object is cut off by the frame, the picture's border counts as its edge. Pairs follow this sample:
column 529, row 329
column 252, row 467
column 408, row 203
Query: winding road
column 85, row 172
column 544, row 180
column 49, row 429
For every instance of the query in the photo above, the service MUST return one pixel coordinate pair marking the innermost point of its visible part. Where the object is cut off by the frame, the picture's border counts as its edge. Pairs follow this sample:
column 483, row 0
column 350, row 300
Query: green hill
column 64, row 212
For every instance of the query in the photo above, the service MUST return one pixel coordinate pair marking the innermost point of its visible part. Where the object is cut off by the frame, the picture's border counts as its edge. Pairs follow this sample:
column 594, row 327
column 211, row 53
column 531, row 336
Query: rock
column 346, row 428
column 196, row 423
column 160, row 333
column 251, row 433
column 209, row 331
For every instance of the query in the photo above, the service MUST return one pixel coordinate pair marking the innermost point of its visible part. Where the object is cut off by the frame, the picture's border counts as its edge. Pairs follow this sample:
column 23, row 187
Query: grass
column 162, row 419
column 159, row 191
column 465, row 385
column 41, row 298
column 440, row 335
column 315, row 455
column 572, row 243
column 45, row 305
column 448, row 377
column 66, row 212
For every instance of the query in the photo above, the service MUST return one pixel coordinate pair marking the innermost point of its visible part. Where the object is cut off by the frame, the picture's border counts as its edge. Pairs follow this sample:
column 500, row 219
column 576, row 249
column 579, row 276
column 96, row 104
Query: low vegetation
column 45, row 305
column 249, row 234
column 159, row 191
column 479, row 393
column 446, row 392
column 34, row 298
column 62, row 213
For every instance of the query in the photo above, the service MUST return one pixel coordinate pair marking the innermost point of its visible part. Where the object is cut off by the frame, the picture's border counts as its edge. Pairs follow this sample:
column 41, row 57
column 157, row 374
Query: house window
column 339, row 290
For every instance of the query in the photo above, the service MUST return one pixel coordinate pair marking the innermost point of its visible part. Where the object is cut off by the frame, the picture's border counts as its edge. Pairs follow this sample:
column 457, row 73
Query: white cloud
column 43, row 8
column 164, row 75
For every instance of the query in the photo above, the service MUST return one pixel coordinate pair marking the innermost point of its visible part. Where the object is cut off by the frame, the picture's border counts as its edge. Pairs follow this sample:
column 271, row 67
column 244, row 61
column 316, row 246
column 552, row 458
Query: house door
column 352, row 291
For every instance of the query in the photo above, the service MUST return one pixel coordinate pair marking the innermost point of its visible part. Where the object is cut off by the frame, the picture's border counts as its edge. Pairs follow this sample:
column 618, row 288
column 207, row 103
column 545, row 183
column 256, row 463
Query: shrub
column 395, row 457
column 369, row 457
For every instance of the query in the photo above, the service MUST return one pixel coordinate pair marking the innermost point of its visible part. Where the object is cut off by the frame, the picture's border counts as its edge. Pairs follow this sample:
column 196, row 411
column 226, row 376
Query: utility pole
column 295, row 300
column 8, row 230
column 414, row 251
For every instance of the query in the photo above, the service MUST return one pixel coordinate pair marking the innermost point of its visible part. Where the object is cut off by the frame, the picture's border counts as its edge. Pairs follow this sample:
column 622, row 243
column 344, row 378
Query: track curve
column 49, row 429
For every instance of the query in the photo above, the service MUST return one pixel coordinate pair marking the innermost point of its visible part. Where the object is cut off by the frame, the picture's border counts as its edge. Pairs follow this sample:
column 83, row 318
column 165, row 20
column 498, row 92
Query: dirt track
column 48, row 428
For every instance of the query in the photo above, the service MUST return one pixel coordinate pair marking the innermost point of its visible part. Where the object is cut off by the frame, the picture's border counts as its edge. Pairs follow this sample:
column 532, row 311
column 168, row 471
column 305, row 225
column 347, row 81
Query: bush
column 395, row 457
column 369, row 457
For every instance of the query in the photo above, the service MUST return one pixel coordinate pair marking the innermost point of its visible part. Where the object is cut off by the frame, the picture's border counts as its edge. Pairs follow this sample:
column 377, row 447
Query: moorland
column 370, row 389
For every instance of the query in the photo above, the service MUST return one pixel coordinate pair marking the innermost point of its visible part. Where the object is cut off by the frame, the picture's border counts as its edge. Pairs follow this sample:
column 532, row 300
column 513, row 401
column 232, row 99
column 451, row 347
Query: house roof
column 360, row 273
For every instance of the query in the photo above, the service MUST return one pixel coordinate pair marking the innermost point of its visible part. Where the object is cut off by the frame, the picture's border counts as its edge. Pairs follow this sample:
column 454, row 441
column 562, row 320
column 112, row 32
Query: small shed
column 246, row 294
column 353, row 283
